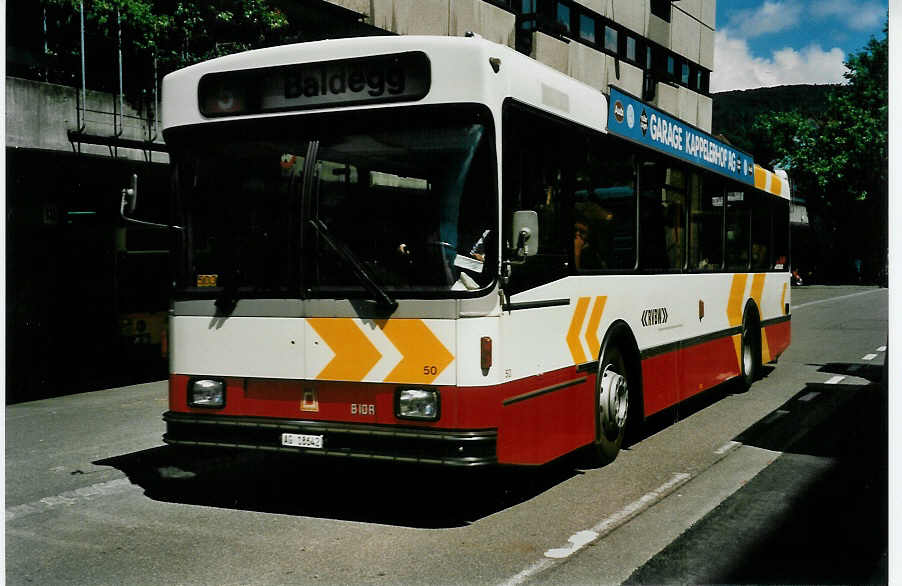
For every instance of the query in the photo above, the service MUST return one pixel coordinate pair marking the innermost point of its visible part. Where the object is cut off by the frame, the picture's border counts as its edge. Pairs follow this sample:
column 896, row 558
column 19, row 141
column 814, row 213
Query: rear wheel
column 612, row 404
column 750, row 355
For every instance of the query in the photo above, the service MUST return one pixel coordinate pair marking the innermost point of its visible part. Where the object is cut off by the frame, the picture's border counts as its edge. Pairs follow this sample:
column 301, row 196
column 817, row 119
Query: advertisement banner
column 636, row 121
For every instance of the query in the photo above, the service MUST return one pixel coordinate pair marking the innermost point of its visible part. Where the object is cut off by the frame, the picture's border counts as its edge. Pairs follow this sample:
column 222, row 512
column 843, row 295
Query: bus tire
column 750, row 354
column 613, row 394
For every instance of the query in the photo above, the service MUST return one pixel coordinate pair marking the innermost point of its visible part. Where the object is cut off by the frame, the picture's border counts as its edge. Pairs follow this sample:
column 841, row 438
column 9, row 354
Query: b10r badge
column 363, row 409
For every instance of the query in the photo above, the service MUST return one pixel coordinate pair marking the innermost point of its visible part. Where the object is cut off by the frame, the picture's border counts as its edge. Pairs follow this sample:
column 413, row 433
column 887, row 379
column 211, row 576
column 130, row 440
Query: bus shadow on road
column 871, row 372
column 351, row 490
column 833, row 527
column 816, row 515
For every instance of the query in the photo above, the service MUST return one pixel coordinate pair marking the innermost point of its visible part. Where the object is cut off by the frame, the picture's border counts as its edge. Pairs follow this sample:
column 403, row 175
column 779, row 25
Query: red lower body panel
column 537, row 419
column 778, row 337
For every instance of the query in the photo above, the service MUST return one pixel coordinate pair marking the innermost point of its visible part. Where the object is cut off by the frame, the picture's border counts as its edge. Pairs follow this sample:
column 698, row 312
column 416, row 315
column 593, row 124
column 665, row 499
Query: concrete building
column 659, row 50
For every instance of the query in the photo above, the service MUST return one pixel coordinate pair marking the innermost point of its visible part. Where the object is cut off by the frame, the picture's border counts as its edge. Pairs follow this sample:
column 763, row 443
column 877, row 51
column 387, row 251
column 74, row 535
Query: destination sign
column 364, row 80
column 646, row 125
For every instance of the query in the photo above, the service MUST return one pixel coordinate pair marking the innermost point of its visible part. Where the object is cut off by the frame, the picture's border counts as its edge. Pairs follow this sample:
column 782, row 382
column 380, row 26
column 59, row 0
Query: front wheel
column 612, row 404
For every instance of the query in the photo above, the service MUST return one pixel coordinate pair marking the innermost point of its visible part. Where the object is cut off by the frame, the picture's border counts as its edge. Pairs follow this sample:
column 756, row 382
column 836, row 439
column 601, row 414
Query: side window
column 537, row 176
column 604, row 208
column 780, row 209
column 761, row 230
column 738, row 226
column 705, row 223
column 662, row 216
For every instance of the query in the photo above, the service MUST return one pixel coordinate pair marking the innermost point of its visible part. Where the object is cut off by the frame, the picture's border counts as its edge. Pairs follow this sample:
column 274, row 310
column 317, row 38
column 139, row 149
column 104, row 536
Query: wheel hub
column 613, row 401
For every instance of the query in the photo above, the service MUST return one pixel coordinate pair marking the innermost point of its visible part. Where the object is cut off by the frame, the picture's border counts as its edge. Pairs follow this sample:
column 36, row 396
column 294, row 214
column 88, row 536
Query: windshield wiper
column 363, row 275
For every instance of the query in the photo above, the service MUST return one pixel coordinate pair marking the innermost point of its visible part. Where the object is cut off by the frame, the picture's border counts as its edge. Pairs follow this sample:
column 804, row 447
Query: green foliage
column 838, row 159
column 176, row 33
column 734, row 113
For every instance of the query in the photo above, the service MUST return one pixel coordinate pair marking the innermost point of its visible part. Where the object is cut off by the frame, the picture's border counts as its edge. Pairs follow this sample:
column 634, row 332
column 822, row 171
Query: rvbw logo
column 654, row 317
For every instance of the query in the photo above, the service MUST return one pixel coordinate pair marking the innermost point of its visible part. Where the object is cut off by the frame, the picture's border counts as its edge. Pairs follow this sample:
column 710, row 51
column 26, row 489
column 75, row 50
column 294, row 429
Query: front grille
column 342, row 440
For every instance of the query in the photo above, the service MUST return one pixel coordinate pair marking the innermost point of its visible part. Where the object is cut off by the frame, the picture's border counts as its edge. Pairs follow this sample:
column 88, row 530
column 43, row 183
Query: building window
column 671, row 66
column 610, row 39
column 631, row 49
column 649, row 58
column 587, row 28
column 528, row 6
column 563, row 15
column 703, row 78
column 684, row 73
column 661, row 9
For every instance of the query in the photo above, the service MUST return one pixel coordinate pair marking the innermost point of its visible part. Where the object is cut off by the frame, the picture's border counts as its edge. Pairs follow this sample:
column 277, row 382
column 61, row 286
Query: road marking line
column 582, row 538
column 533, row 570
column 577, row 541
column 775, row 415
column 726, row 448
column 810, row 396
column 881, row 349
column 835, row 298
column 71, row 497
column 869, row 357
column 834, row 380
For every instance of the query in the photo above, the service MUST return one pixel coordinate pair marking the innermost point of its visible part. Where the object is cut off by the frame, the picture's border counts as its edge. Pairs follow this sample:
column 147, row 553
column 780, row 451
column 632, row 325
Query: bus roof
column 461, row 71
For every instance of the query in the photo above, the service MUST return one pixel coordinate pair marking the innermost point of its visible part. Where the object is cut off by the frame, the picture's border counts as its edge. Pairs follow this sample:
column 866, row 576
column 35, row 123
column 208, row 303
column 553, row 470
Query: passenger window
column 780, row 209
column 604, row 209
column 738, row 225
column 705, row 223
column 662, row 217
column 761, row 229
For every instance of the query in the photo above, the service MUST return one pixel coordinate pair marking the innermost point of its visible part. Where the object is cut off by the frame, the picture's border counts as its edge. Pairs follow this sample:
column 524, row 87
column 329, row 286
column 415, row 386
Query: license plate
column 300, row 440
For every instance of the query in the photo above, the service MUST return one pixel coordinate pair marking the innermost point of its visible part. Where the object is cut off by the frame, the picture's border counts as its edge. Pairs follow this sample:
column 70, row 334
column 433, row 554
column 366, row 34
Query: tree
column 160, row 35
column 839, row 163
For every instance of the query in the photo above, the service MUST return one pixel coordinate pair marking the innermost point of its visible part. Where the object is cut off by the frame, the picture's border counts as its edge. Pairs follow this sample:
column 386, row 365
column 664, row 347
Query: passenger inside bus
column 590, row 228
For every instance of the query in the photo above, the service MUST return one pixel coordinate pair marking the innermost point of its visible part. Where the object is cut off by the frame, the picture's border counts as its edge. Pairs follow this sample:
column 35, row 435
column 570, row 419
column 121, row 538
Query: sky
column 764, row 43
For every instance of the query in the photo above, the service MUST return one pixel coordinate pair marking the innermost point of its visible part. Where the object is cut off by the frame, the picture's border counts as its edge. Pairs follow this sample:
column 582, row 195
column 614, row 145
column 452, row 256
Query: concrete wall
column 39, row 115
column 690, row 33
column 436, row 17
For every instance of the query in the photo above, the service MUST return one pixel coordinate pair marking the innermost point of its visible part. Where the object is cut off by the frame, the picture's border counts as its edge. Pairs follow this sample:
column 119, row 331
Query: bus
column 438, row 250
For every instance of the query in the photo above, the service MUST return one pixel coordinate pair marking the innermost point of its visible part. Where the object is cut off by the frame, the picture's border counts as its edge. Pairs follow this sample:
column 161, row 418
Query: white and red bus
column 438, row 250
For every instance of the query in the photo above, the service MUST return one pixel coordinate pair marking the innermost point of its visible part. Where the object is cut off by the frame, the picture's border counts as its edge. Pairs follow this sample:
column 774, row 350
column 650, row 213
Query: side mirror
column 525, row 233
column 130, row 201
column 129, row 197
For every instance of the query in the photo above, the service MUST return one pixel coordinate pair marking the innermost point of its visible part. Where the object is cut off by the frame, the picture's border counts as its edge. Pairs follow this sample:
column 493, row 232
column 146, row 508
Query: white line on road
column 810, row 396
column 835, row 380
column 71, row 497
column 835, row 298
column 869, row 357
column 881, row 349
column 726, row 448
column 582, row 538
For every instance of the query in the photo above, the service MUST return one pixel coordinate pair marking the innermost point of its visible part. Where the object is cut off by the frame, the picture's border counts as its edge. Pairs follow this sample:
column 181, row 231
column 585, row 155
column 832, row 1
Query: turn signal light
column 485, row 352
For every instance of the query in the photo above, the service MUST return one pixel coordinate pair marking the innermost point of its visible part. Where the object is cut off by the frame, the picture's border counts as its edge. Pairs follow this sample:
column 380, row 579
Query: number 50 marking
column 430, row 370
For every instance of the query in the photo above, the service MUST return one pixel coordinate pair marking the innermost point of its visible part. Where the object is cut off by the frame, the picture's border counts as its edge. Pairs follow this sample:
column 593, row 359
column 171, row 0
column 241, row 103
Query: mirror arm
column 151, row 224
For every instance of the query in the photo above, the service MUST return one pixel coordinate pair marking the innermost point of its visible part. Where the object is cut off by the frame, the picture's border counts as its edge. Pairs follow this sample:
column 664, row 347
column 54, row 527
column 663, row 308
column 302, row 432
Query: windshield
column 404, row 198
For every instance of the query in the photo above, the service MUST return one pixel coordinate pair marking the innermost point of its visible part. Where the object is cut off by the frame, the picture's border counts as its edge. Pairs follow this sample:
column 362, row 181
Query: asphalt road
column 778, row 484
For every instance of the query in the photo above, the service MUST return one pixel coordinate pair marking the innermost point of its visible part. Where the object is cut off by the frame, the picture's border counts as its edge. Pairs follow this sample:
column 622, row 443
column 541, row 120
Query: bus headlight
column 420, row 404
column 206, row 392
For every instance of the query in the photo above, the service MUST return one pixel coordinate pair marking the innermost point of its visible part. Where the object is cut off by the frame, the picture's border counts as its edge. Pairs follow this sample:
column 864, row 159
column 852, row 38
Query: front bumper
column 464, row 448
